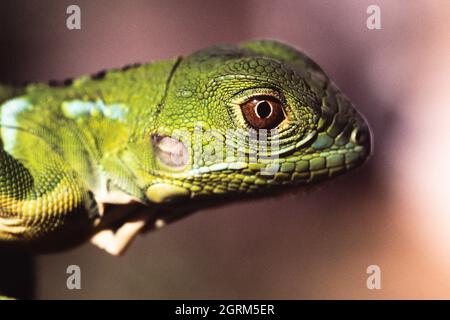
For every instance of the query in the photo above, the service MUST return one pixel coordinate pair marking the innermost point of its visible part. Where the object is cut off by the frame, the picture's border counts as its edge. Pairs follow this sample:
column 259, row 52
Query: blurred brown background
column 394, row 212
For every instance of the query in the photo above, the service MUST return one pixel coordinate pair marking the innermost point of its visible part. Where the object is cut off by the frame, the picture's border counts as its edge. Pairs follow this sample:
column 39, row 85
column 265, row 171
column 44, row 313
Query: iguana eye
column 263, row 112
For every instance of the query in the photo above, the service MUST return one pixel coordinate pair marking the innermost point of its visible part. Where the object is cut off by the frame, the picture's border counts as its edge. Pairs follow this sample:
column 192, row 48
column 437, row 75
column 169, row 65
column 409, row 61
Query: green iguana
column 78, row 160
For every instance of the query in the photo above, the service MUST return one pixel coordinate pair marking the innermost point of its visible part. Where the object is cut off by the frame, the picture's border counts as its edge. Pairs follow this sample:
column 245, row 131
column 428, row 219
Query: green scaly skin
column 60, row 146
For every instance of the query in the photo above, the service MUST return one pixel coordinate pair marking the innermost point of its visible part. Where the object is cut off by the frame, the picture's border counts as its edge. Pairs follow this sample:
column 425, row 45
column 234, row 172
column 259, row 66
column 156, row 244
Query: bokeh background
column 393, row 212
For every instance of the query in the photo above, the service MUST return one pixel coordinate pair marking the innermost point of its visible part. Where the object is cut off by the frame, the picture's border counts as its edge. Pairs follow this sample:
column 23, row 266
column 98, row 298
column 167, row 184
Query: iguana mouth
column 170, row 151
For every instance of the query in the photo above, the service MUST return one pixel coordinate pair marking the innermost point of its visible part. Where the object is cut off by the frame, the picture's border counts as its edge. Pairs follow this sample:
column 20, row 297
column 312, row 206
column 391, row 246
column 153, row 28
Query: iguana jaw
column 306, row 165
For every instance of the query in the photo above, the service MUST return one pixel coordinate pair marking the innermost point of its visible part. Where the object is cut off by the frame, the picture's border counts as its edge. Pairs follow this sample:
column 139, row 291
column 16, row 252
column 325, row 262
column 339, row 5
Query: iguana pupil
column 263, row 109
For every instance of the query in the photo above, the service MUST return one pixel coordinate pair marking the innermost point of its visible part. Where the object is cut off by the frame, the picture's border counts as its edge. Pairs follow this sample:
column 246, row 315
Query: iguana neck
column 93, row 121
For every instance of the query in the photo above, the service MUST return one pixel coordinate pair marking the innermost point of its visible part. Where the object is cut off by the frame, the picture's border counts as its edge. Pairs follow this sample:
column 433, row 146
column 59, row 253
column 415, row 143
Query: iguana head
column 248, row 118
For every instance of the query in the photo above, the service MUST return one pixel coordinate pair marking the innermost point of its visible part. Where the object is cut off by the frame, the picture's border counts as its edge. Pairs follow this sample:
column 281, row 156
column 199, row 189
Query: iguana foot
column 115, row 242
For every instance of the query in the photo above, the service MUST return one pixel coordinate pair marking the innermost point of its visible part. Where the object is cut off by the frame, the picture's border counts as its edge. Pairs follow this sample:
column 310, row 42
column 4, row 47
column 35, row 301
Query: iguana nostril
column 359, row 136
column 172, row 152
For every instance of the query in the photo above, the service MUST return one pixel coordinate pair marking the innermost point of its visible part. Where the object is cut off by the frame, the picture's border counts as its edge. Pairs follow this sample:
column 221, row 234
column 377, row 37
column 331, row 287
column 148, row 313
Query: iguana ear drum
column 170, row 151
column 263, row 112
